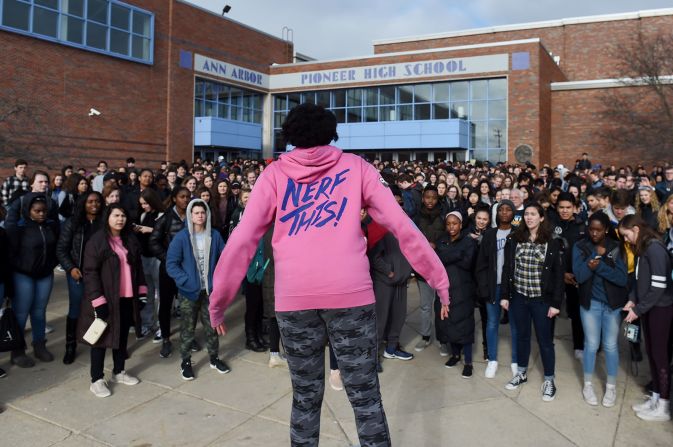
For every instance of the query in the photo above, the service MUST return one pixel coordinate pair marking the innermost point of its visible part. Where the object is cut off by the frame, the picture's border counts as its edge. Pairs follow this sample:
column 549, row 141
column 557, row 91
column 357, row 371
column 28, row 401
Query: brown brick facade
column 146, row 110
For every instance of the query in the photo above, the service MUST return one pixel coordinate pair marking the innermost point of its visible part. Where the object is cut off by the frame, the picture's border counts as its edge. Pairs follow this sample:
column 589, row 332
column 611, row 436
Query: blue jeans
column 493, row 312
column 30, row 298
column 526, row 311
column 75, row 294
column 600, row 318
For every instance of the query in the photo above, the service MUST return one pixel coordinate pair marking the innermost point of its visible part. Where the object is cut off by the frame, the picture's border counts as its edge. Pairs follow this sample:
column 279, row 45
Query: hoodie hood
column 27, row 201
column 192, row 238
column 308, row 165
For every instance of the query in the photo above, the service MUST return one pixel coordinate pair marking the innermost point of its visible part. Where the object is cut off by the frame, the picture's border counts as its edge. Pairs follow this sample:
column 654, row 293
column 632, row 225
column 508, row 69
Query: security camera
column 93, row 112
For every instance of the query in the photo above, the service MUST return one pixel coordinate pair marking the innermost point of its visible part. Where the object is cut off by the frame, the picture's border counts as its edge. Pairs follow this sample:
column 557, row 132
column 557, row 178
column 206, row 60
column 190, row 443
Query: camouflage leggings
column 352, row 334
column 190, row 311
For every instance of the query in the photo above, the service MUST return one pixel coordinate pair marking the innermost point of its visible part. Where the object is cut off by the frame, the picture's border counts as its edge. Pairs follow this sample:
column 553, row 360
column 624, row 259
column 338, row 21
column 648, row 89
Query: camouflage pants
column 190, row 311
column 352, row 334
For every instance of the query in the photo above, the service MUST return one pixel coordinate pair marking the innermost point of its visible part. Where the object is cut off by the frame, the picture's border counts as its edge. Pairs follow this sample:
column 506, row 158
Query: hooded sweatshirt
column 313, row 197
column 191, row 257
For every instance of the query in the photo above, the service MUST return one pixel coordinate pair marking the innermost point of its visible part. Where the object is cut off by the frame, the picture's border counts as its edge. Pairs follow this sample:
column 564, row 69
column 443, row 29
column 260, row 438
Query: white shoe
column 444, row 350
column 660, row 411
column 124, row 378
column 99, row 388
column 515, row 369
column 644, row 406
column 335, row 380
column 277, row 361
column 610, row 396
column 579, row 354
column 491, row 369
column 589, row 394
column 48, row 329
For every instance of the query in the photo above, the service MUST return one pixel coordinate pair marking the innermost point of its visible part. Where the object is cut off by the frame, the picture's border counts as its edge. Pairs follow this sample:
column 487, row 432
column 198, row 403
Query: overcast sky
column 327, row 29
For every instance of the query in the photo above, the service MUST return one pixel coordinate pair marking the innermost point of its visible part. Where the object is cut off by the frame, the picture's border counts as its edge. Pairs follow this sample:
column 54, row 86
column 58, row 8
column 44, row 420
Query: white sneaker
column 644, row 406
column 277, row 361
column 491, row 369
column 124, row 378
column 589, row 394
column 610, row 396
column 99, row 388
column 335, row 380
column 660, row 411
column 515, row 369
column 48, row 329
column 444, row 350
column 579, row 354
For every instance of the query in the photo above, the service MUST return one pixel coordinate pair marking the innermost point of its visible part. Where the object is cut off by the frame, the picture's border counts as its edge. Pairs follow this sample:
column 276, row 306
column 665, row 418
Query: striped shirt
column 529, row 265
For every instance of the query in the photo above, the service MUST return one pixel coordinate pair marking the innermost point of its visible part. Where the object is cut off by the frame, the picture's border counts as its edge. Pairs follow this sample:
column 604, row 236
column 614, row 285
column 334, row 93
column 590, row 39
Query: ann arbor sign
column 233, row 72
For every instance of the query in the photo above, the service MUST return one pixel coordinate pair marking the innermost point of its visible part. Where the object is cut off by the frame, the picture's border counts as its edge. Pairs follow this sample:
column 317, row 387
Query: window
column 481, row 102
column 232, row 103
column 104, row 26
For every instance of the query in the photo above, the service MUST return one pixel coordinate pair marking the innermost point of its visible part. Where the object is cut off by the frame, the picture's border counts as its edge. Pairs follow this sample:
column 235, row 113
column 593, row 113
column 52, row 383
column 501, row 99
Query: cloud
column 346, row 28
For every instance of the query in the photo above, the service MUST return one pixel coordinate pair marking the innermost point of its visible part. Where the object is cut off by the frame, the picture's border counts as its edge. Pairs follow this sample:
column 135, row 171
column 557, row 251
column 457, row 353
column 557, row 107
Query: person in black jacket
column 390, row 273
column 457, row 251
column 654, row 305
column 114, row 291
column 600, row 271
column 488, row 272
column 5, row 272
column 431, row 223
column 165, row 229
column 70, row 253
column 32, row 241
column 152, row 208
column 532, row 290
column 570, row 228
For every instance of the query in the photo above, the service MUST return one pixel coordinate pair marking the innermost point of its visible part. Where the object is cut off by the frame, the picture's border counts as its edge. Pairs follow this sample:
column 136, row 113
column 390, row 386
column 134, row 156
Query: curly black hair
column 309, row 125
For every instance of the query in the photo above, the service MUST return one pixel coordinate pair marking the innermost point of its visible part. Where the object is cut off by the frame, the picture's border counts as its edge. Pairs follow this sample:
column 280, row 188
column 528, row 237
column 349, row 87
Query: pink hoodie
column 313, row 197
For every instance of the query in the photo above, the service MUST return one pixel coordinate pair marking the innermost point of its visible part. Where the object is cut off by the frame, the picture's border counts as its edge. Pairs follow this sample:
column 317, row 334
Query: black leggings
column 274, row 335
column 167, row 292
column 118, row 355
column 656, row 331
column 253, row 308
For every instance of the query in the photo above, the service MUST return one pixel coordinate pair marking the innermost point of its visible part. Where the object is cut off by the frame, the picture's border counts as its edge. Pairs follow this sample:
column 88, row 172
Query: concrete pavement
column 426, row 404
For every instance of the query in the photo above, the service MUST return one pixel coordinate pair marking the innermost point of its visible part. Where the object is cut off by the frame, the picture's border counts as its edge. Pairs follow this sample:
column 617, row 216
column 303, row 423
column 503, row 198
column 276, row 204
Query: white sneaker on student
column 335, row 380
column 276, row 360
column 610, row 396
column 660, row 411
column 491, row 369
column 444, row 350
column 645, row 405
column 589, row 394
column 124, row 378
column 99, row 388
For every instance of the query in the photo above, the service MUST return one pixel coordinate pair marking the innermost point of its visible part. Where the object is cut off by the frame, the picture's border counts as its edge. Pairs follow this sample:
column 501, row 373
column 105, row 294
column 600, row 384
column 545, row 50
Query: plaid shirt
column 528, row 272
column 11, row 185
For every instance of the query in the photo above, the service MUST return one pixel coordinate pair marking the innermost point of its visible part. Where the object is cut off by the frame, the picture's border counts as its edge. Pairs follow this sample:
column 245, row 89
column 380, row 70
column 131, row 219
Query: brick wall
column 146, row 111
column 577, row 123
column 586, row 49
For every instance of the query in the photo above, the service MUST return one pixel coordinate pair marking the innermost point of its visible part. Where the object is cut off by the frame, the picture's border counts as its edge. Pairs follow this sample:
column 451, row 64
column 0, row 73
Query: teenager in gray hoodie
column 191, row 259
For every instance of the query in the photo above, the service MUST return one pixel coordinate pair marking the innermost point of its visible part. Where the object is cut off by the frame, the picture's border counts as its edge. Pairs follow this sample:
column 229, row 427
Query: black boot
column 263, row 335
column 41, row 352
column 252, row 343
column 70, row 341
column 20, row 359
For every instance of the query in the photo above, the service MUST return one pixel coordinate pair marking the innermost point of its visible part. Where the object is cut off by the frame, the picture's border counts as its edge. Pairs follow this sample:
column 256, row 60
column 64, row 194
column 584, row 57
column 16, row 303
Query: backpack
column 255, row 273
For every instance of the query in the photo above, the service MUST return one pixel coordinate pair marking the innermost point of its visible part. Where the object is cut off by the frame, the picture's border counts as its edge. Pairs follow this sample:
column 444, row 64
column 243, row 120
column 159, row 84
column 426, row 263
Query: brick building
column 163, row 79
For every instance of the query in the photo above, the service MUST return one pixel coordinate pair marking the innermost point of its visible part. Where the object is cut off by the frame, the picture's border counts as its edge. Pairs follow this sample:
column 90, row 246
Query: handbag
column 632, row 333
column 95, row 331
column 11, row 335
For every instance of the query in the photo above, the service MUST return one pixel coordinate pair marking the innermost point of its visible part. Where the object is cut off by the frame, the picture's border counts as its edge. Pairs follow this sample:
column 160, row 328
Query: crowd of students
column 140, row 247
